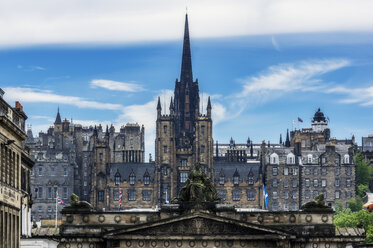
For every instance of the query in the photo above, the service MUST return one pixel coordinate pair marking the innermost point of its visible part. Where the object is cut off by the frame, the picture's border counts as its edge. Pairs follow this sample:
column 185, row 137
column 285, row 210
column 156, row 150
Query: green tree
column 361, row 189
column 355, row 204
column 363, row 170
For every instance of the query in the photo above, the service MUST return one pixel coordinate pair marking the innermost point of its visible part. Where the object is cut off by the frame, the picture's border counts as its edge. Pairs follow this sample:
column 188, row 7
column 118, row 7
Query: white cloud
column 34, row 95
column 115, row 85
column 24, row 23
column 292, row 77
column 362, row 96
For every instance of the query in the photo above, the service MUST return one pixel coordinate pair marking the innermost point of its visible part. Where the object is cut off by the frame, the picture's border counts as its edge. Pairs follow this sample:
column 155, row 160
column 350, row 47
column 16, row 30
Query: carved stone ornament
column 67, row 245
column 91, row 245
column 292, row 218
column 117, row 219
column 217, row 243
column 101, row 218
column 315, row 245
column 128, row 243
column 204, row 243
column 192, row 243
column 308, row 218
column 80, row 245
column 85, row 218
column 260, row 219
column 276, row 219
column 324, row 218
column 166, row 243
column 69, row 219
column 179, row 243
column 154, row 243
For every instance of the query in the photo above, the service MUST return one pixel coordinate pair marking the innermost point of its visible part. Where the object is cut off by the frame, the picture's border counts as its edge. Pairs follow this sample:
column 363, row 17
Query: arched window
column 273, row 159
column 347, row 159
column 290, row 158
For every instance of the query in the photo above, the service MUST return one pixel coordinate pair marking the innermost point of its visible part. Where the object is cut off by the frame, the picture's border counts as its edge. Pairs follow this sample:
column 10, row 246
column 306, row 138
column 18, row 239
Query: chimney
column 19, row 106
column 297, row 148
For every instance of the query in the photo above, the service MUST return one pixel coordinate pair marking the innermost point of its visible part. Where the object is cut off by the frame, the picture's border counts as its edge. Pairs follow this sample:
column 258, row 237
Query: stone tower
column 184, row 137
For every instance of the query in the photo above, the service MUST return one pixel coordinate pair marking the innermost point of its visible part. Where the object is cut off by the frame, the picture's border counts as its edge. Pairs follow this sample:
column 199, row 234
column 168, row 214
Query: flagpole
column 56, row 207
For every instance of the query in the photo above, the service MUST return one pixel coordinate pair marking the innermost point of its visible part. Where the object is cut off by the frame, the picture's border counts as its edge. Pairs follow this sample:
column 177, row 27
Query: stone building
column 15, row 167
column 295, row 175
column 184, row 137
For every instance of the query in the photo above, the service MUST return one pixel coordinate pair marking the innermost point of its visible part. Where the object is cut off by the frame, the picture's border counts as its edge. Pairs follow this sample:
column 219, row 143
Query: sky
column 264, row 63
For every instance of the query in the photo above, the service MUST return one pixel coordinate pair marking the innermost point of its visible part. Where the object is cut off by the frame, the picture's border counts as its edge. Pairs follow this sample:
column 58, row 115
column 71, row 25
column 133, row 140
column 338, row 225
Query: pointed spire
column 58, row 117
column 280, row 139
column 159, row 103
column 107, row 130
column 186, row 75
column 217, row 149
column 251, row 150
column 171, row 104
column 209, row 103
column 287, row 141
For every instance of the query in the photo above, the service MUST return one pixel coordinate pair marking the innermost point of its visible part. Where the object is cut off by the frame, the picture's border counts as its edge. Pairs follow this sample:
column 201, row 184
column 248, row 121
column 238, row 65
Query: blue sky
column 262, row 73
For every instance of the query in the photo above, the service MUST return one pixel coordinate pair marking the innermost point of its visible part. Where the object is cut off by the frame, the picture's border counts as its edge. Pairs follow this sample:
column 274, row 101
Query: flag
column 120, row 199
column 59, row 201
column 167, row 201
column 265, row 196
column 299, row 119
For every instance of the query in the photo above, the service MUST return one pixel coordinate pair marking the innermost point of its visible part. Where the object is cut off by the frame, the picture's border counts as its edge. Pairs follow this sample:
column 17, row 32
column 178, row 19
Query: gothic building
column 184, row 137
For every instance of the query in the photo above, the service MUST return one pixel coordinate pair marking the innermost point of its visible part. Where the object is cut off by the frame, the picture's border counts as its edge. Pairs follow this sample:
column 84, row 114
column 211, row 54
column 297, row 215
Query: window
column 309, row 158
column 49, row 209
column 183, row 177
column 324, row 193
column 307, row 182
column 286, row 194
column 348, row 182
column 274, row 183
column 146, row 195
column 250, row 195
column 307, row 171
column 40, row 171
column 348, row 171
column 274, row 171
column 53, row 172
column 101, row 156
column 65, row 193
column 40, row 193
column 40, row 209
column 101, row 195
column 294, row 183
column 132, row 179
column 251, row 180
column 315, row 193
column 131, row 195
column 202, row 149
column 294, row 171
column 293, row 206
column 346, row 159
column 315, row 171
column 236, row 195
column 315, row 183
column 54, row 192
column 273, row 159
column 202, row 129
column 323, row 160
column 294, row 194
column 286, row 183
column 116, row 195
column 146, row 180
column 274, row 194
column 236, row 180
column 286, row 171
column 323, row 182
column 336, row 182
column 117, row 179
column 165, row 128
column 348, row 194
column 337, row 194
column 49, row 193
column 32, row 172
column 307, row 194
column 85, row 183
column 286, row 207
column 183, row 163
column 165, row 149
column 290, row 158
column 221, row 180
column 274, row 206
column 222, row 194
column 337, row 171
column 164, row 169
column 323, row 171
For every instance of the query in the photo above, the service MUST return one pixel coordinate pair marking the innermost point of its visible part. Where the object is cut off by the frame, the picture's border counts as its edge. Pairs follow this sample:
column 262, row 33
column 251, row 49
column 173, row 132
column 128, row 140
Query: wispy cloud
column 115, row 85
column 361, row 96
column 31, row 68
column 36, row 95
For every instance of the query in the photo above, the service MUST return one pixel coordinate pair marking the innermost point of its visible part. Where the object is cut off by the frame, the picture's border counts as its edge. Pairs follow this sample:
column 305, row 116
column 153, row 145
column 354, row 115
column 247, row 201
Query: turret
column 171, row 107
column 287, row 141
column 209, row 107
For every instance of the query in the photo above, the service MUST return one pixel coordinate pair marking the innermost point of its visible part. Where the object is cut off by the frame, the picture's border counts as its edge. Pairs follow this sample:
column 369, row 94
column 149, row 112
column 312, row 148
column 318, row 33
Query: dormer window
column 132, row 179
column 146, row 180
column 251, row 180
column 290, row 158
column 221, row 180
column 346, row 159
column 274, row 158
column 236, row 178
column 117, row 178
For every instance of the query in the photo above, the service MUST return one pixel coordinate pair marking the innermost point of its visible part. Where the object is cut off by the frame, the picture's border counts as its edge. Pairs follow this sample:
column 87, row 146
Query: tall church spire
column 58, row 117
column 186, row 75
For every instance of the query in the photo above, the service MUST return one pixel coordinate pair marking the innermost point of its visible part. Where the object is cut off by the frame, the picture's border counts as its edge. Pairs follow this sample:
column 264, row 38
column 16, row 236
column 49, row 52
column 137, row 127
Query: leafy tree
column 363, row 170
column 361, row 189
column 355, row 204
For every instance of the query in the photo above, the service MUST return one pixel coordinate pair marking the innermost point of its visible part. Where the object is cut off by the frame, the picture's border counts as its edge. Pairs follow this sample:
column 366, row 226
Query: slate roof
column 243, row 169
column 125, row 169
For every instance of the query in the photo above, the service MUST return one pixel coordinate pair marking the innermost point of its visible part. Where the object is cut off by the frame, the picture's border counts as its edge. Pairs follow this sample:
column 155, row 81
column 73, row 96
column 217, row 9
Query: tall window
column 294, row 171
column 251, row 180
column 346, row 159
column 165, row 128
column 183, row 177
column 146, row 195
column 236, row 195
column 315, row 171
column 132, row 179
column 315, row 193
column 164, row 169
column 274, row 183
column 307, row 171
column 52, row 171
column 286, row 183
column 315, row 183
column 336, row 182
column 65, row 172
column 40, row 193
column 337, row 194
column 307, row 182
column 49, row 193
column 286, row 171
column 183, row 163
column 309, row 158
column 101, row 195
column 294, row 182
column 101, row 156
column 146, row 180
column 348, row 171
column 348, row 182
column 274, row 194
column 202, row 129
column 273, row 159
column 40, row 171
column 286, row 194
column 131, row 195
column 290, row 159
column 222, row 194
column 236, row 180
column 323, row 171
column 117, row 179
column 250, row 195
column 307, row 194
column 116, row 195
column 221, row 180
column 323, row 182
column 293, row 206
column 294, row 194
column 337, row 171
column 274, row 171
column 165, row 149
column 55, row 192
column 202, row 149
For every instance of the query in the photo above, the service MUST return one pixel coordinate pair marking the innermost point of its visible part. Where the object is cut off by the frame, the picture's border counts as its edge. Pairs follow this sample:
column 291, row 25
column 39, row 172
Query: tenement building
column 15, row 166
column 184, row 137
column 297, row 174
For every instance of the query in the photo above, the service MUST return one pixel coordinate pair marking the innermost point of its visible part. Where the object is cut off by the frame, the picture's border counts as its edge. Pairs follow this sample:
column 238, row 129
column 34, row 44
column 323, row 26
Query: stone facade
column 296, row 175
column 15, row 167
column 184, row 137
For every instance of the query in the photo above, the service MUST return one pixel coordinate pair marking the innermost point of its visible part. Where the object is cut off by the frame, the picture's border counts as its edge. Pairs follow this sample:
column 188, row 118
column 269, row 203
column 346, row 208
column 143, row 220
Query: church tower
column 184, row 137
